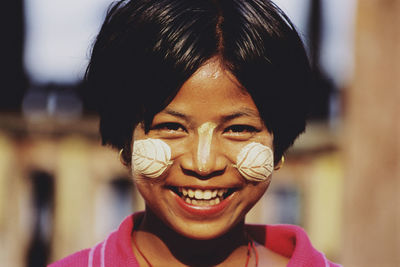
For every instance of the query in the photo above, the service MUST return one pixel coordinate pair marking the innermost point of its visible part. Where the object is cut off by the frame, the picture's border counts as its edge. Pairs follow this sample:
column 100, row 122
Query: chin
column 203, row 229
column 201, row 232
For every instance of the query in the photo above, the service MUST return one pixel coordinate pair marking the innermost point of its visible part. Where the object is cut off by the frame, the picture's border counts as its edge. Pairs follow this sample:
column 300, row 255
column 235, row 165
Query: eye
column 240, row 131
column 170, row 129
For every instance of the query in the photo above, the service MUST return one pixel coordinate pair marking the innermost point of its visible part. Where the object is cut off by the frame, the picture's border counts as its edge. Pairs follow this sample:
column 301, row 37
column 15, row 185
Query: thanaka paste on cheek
column 255, row 162
column 205, row 132
column 150, row 157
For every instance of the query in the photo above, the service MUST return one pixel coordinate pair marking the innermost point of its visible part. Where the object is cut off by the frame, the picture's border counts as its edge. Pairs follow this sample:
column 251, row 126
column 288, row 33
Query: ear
column 122, row 157
column 280, row 163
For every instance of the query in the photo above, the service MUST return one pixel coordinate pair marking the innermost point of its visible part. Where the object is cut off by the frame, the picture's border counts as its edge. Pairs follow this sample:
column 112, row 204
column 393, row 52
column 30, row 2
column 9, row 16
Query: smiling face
column 202, row 195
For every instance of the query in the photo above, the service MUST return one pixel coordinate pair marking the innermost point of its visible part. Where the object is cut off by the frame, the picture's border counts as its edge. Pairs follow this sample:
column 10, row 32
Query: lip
column 203, row 210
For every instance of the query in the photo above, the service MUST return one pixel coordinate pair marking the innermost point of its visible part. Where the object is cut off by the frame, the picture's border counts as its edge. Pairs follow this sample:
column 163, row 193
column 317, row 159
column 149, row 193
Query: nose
column 204, row 159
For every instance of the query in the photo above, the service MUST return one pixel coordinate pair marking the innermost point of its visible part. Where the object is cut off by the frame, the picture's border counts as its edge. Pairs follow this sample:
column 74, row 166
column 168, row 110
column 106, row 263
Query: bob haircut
column 147, row 49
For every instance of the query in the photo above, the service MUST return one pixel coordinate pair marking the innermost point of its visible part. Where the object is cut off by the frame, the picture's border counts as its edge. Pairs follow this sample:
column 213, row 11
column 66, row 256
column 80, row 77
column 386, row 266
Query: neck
column 159, row 239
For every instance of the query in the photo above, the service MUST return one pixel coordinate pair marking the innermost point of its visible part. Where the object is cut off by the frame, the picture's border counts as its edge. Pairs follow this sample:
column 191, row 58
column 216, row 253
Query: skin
column 206, row 125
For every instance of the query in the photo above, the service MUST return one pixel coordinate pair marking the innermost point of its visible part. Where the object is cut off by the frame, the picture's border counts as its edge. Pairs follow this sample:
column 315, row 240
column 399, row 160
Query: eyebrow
column 243, row 112
column 177, row 114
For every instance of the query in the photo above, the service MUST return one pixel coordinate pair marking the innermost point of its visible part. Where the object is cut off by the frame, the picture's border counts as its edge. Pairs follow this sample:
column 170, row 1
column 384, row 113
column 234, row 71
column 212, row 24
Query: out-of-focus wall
column 60, row 190
column 371, row 233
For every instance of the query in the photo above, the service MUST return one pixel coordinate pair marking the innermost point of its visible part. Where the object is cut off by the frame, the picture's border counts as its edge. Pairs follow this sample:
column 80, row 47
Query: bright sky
column 337, row 34
column 58, row 34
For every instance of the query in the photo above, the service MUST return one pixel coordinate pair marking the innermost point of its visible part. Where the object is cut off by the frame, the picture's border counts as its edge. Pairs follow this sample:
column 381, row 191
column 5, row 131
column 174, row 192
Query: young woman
column 202, row 98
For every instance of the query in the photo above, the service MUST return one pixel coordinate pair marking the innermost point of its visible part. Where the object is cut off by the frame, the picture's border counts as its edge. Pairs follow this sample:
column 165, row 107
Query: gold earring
column 121, row 158
column 280, row 164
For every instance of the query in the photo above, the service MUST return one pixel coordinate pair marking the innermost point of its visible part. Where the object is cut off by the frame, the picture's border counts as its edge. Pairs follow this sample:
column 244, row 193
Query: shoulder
column 78, row 259
column 115, row 250
column 290, row 242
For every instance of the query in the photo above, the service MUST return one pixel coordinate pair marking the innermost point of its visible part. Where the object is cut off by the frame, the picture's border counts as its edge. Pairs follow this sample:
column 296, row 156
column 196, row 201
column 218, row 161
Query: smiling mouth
column 199, row 197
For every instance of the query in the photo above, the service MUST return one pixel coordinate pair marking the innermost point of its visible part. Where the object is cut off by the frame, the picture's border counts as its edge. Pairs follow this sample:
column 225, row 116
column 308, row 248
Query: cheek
column 255, row 162
column 150, row 158
column 256, row 191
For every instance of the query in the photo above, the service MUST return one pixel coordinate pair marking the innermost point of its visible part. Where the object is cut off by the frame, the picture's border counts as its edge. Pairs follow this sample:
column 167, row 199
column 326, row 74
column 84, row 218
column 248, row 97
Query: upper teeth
column 202, row 194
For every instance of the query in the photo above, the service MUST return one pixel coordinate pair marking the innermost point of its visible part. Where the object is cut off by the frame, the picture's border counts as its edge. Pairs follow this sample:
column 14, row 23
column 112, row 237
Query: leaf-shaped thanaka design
column 255, row 162
column 150, row 157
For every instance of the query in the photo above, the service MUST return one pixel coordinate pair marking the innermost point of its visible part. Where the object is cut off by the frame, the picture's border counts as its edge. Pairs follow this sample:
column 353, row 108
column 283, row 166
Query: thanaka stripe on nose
column 205, row 132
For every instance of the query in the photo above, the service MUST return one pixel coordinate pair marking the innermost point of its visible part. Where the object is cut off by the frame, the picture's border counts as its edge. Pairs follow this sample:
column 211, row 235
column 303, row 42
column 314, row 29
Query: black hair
column 147, row 49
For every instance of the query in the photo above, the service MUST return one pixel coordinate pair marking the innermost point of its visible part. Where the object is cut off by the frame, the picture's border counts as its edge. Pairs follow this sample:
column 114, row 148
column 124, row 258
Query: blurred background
column 60, row 191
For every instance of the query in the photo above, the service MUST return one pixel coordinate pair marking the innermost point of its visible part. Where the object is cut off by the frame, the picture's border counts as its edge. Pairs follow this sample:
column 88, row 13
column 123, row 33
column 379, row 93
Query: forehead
column 210, row 92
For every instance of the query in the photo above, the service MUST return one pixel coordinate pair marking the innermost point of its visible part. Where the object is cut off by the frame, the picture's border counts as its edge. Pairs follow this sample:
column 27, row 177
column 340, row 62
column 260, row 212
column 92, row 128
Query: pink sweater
column 116, row 251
